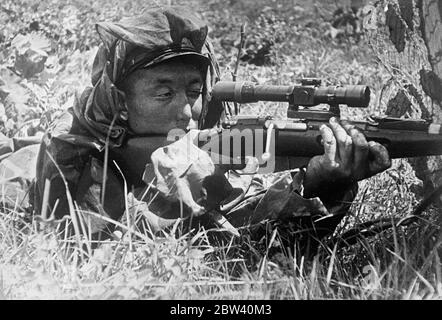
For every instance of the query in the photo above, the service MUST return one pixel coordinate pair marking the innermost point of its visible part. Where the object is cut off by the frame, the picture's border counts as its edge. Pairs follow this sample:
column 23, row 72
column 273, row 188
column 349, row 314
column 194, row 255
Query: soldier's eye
column 194, row 94
column 164, row 94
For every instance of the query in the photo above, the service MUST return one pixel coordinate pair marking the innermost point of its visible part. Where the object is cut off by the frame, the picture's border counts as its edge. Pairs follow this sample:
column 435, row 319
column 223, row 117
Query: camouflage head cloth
column 139, row 42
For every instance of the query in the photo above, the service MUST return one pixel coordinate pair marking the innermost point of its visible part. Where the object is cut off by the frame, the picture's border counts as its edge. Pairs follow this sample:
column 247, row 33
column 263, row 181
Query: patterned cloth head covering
column 139, row 42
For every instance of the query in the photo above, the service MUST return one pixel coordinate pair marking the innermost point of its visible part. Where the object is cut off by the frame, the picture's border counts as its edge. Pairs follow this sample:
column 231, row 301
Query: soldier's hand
column 348, row 157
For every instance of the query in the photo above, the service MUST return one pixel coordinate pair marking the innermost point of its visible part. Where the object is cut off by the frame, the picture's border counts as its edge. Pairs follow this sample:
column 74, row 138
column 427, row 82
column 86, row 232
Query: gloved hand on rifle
column 347, row 158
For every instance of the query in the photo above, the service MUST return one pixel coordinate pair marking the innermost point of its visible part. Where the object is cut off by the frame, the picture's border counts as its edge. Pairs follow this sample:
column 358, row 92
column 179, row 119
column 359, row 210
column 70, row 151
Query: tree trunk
column 408, row 42
column 430, row 14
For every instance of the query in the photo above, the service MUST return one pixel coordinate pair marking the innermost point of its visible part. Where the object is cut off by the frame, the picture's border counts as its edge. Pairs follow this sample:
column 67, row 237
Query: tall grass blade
column 70, row 203
column 331, row 265
column 44, row 206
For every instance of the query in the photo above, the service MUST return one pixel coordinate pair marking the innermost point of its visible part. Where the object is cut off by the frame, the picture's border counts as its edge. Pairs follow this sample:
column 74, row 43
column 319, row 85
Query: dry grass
column 41, row 264
column 39, row 261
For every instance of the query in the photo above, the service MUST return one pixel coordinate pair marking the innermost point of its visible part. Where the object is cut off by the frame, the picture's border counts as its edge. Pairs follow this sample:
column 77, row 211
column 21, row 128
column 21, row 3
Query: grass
column 39, row 261
column 402, row 264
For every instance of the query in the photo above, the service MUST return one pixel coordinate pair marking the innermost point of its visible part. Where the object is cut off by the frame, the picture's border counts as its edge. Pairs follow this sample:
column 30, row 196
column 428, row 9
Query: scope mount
column 304, row 95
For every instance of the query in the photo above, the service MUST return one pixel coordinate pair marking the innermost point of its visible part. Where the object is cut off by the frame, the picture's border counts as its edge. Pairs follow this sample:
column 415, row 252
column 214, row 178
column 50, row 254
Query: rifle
column 299, row 135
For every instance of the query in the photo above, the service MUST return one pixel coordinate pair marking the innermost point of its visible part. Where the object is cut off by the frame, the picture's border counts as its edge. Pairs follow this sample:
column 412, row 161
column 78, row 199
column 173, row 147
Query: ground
column 286, row 40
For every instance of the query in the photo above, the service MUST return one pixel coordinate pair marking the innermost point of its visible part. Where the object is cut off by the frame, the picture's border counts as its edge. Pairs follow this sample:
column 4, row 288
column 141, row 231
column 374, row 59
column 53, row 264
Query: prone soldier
column 153, row 75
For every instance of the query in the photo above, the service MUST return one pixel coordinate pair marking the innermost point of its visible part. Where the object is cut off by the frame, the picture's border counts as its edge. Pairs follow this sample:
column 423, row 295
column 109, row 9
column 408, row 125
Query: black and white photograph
column 222, row 156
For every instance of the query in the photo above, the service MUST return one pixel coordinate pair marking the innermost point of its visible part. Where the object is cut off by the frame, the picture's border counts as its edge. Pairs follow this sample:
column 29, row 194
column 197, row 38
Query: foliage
column 46, row 53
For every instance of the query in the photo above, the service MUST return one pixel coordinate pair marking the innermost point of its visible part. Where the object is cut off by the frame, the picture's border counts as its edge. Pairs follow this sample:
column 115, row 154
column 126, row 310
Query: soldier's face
column 164, row 97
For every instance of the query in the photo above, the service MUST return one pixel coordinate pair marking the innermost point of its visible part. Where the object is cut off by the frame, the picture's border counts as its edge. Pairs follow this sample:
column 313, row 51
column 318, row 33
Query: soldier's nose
column 185, row 113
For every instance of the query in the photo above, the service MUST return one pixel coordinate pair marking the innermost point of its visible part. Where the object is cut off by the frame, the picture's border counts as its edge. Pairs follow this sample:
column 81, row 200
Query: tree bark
column 430, row 14
column 414, row 28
